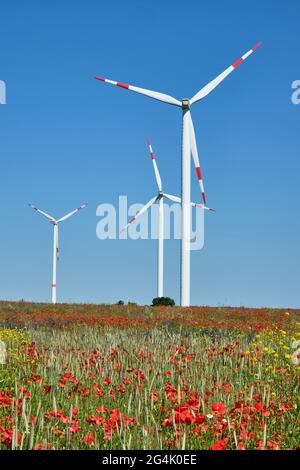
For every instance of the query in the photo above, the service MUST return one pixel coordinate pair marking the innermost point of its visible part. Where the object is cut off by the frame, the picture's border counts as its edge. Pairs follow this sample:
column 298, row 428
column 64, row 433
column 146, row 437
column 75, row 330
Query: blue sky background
column 66, row 138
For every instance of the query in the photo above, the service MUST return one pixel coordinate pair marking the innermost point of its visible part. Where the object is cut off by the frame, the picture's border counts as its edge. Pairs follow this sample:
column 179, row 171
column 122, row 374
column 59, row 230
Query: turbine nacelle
column 186, row 103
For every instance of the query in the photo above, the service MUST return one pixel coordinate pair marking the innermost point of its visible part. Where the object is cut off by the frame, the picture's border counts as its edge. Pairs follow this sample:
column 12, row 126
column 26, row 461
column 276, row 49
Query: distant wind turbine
column 55, row 223
column 159, row 199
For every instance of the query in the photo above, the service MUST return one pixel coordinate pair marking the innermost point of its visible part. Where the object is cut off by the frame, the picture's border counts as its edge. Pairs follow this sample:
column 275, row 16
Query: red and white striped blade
column 214, row 83
column 157, row 175
column 65, row 217
column 41, row 212
column 141, row 212
column 202, row 206
column 195, row 155
column 194, row 204
column 152, row 94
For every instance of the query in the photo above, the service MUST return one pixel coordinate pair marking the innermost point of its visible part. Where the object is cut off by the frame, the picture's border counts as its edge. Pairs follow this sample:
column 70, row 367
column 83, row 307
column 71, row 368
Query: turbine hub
column 53, row 222
column 185, row 103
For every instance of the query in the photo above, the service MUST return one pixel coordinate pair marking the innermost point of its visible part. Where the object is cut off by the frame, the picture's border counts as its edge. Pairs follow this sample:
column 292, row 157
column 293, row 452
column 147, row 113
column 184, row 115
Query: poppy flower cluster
column 125, row 379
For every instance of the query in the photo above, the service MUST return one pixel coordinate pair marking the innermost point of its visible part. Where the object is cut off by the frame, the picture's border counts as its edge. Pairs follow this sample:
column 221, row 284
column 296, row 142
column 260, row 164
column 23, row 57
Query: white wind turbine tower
column 159, row 199
column 188, row 146
column 55, row 223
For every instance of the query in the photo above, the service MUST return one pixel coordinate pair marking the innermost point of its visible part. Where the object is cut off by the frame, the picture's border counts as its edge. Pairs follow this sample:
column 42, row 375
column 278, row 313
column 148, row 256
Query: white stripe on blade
column 172, row 198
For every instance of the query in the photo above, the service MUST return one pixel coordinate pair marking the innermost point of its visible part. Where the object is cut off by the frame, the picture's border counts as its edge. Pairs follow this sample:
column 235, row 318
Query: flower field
column 131, row 377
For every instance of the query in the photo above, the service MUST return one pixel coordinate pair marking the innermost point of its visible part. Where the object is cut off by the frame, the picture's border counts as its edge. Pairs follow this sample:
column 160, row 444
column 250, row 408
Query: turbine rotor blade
column 195, row 155
column 214, row 83
column 41, row 212
column 193, row 204
column 202, row 206
column 65, row 217
column 172, row 198
column 155, row 167
column 141, row 212
column 152, row 94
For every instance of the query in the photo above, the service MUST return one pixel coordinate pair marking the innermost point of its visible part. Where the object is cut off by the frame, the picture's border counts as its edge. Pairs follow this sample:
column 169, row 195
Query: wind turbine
column 55, row 223
column 159, row 199
column 188, row 146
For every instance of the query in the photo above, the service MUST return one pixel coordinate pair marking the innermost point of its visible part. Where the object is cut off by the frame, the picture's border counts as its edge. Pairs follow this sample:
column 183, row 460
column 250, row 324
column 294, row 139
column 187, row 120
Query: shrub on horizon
column 167, row 301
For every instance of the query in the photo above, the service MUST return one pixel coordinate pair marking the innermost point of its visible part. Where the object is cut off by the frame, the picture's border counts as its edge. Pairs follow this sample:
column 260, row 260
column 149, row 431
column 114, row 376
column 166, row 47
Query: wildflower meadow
column 130, row 377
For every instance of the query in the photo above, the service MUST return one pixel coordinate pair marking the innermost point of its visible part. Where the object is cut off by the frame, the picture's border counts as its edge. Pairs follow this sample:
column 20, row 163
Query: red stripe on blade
column 100, row 78
column 238, row 62
column 123, row 85
column 198, row 171
column 53, row 285
column 204, row 198
column 256, row 46
column 152, row 155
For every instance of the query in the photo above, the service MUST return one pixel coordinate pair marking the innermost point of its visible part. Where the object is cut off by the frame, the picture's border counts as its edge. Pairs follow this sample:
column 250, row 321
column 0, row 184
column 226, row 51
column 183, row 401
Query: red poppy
column 5, row 401
column 272, row 445
column 73, row 429
column 218, row 408
column 101, row 409
column 241, row 446
column 7, row 436
column 95, row 419
column 40, row 446
column 220, row 445
column 258, row 406
column 84, row 392
column 89, row 439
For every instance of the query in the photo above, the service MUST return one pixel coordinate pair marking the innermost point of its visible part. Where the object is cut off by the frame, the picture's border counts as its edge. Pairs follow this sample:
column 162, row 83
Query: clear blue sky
column 66, row 138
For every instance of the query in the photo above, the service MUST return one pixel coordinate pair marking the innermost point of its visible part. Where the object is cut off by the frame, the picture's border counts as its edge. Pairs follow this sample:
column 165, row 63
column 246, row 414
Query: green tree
column 163, row 301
